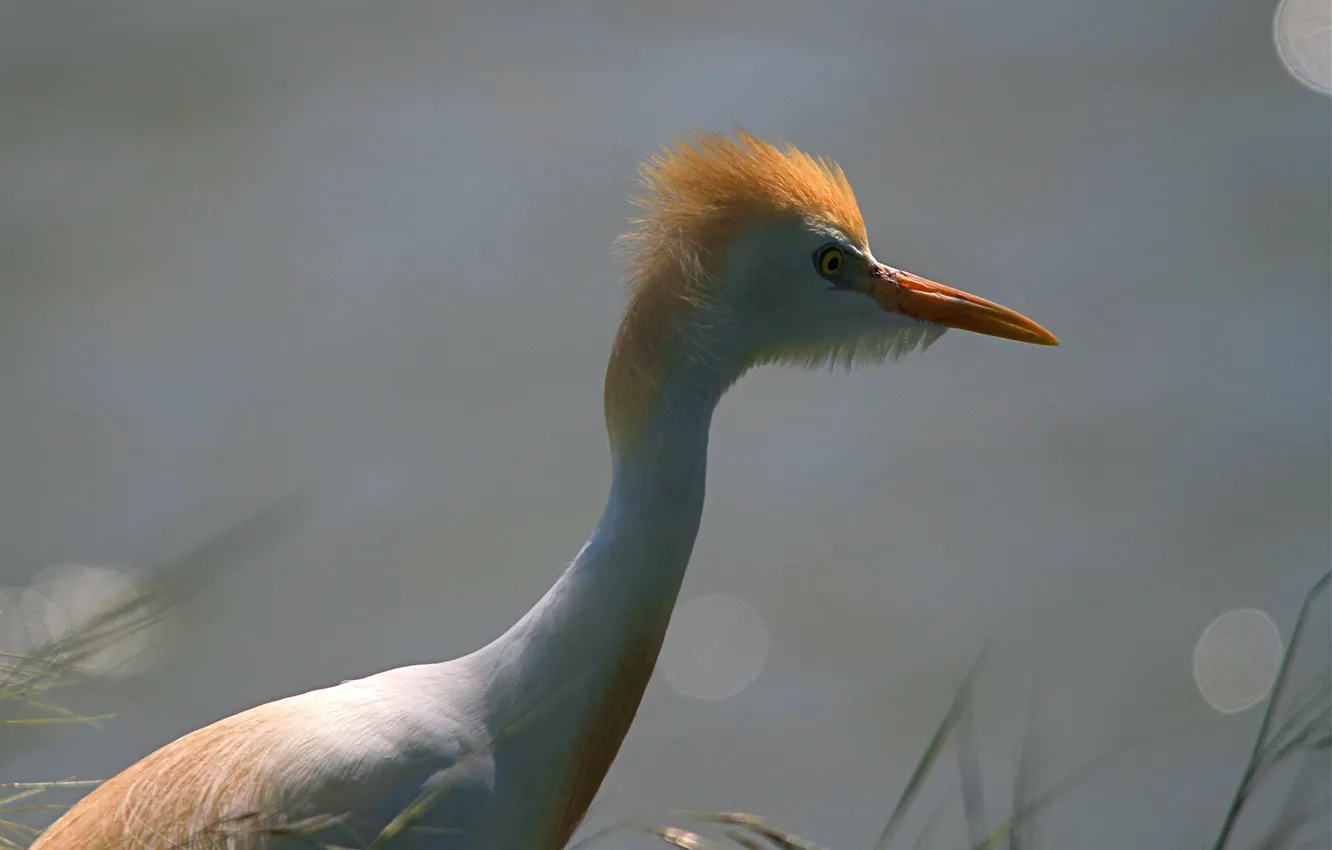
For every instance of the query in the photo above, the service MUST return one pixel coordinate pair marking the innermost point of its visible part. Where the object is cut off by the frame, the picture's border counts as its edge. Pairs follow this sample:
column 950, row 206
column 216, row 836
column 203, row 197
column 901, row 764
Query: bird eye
column 830, row 261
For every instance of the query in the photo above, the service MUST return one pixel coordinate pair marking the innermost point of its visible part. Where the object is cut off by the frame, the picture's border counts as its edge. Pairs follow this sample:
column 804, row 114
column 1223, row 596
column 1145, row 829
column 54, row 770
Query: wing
column 335, row 766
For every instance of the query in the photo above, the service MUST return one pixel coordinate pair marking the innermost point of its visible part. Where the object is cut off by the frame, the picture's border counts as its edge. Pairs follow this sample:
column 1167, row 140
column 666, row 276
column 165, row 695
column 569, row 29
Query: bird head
column 749, row 252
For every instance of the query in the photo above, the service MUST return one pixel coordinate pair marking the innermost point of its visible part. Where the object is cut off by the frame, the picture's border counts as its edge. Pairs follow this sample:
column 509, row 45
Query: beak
column 902, row 292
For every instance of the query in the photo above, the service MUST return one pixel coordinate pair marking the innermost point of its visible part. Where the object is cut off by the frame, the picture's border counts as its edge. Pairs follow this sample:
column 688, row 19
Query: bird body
column 747, row 253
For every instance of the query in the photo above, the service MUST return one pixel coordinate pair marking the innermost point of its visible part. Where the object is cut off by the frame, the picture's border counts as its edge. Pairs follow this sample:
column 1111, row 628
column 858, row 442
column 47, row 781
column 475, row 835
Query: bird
column 744, row 252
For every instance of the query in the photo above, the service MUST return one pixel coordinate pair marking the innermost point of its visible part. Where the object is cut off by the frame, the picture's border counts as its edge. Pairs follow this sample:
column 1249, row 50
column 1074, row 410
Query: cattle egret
column 746, row 253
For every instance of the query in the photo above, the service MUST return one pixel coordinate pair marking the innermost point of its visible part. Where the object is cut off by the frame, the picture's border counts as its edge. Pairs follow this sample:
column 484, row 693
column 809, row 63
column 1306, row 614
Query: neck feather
column 672, row 347
column 569, row 676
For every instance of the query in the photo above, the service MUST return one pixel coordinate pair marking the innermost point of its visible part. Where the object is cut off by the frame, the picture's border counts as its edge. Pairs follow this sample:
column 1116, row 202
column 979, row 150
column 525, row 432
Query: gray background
column 243, row 244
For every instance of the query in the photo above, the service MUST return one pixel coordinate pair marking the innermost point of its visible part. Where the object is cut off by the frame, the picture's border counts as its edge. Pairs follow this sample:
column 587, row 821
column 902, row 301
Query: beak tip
column 1034, row 333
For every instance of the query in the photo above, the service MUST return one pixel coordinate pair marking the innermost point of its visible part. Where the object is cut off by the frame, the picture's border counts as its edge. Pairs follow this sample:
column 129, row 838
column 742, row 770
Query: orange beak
column 905, row 293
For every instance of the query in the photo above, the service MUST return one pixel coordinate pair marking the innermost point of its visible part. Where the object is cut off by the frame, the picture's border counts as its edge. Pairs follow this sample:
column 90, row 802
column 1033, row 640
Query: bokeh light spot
column 64, row 597
column 715, row 648
column 1303, row 34
column 1236, row 659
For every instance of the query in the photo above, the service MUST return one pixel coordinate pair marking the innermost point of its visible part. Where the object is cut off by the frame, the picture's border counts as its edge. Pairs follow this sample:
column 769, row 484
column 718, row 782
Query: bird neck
column 621, row 588
column 566, row 680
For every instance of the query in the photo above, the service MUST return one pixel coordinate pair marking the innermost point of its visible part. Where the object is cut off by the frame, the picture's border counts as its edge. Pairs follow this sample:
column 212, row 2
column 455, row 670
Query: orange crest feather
column 698, row 192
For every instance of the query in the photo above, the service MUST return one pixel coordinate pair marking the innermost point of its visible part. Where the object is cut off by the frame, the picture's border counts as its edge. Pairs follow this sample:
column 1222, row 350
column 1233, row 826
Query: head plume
column 705, row 182
column 697, row 192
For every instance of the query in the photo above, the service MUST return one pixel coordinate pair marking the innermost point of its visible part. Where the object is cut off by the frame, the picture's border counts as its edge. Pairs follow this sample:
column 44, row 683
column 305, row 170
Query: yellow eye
column 831, row 261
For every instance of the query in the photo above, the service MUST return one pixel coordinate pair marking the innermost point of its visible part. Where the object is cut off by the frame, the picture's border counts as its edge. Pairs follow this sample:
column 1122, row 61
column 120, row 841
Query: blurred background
column 246, row 245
